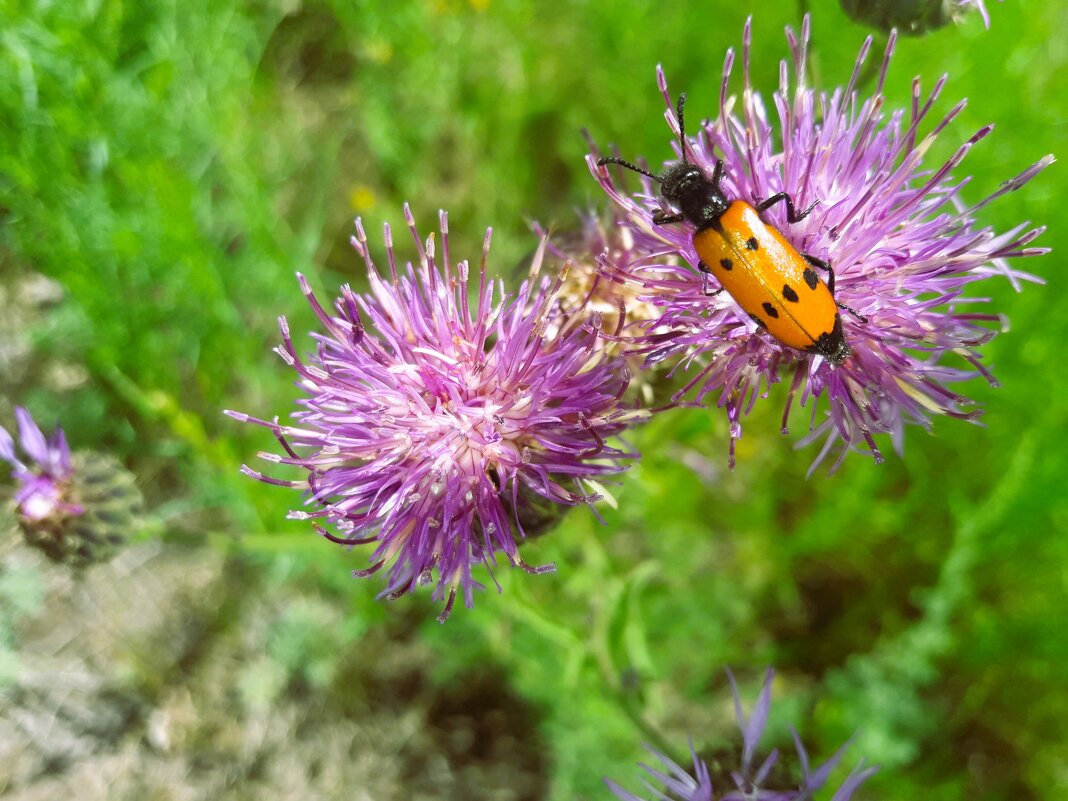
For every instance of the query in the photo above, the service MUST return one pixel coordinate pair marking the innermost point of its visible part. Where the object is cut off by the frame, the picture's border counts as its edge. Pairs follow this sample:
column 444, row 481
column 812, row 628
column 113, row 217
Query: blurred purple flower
column 676, row 782
column 438, row 429
column 43, row 484
column 77, row 509
column 913, row 17
column 750, row 783
column 903, row 244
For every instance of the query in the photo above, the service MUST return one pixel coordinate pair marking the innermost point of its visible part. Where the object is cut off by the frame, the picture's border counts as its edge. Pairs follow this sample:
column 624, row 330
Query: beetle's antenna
column 682, row 126
column 629, row 166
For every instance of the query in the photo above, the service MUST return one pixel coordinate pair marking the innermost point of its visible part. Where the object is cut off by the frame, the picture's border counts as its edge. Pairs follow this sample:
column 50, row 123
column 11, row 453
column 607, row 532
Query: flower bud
column 77, row 509
column 912, row 17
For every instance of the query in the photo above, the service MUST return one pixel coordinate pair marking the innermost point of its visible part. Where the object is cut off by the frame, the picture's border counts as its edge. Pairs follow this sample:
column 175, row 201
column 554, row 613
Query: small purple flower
column 903, row 244
column 448, row 420
column 76, row 509
column 670, row 782
column 43, row 484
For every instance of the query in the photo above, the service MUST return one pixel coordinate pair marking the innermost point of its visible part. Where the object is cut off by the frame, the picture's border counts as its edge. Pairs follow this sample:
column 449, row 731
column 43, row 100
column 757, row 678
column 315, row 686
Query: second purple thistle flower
column 442, row 420
column 902, row 243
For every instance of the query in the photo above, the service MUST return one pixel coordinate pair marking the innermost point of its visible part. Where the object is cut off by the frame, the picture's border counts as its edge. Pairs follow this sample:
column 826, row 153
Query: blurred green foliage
column 172, row 165
column 20, row 596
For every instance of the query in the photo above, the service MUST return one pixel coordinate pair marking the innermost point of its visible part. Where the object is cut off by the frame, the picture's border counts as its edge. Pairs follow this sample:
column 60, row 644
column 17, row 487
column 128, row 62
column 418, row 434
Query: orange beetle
column 766, row 275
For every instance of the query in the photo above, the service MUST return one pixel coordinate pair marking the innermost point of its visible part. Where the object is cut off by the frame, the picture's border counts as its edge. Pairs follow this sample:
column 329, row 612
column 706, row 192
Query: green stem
column 594, row 647
column 603, row 654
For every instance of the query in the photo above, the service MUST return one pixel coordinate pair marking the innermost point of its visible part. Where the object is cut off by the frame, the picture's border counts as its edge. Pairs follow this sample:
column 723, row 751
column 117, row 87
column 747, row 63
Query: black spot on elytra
column 758, row 321
column 752, row 243
column 788, row 293
column 771, row 310
column 811, row 278
column 726, row 264
column 703, row 267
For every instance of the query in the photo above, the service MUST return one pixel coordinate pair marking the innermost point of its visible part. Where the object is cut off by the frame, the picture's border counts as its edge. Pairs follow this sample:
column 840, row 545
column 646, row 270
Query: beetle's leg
column 860, row 317
column 717, row 174
column 660, row 218
column 706, row 272
column 792, row 214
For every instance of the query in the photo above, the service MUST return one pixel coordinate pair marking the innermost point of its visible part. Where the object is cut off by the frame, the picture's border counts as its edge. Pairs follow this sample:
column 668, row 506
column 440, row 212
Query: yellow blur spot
column 362, row 198
column 379, row 51
column 479, row 5
column 921, row 398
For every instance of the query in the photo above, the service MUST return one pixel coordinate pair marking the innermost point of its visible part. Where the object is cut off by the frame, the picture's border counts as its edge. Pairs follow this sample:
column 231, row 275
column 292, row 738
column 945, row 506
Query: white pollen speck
column 38, row 506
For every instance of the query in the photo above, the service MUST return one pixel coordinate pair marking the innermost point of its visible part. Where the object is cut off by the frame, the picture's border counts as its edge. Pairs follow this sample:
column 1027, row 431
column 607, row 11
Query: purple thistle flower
column 75, row 509
column 903, row 244
column 438, row 428
column 749, row 784
column 43, row 484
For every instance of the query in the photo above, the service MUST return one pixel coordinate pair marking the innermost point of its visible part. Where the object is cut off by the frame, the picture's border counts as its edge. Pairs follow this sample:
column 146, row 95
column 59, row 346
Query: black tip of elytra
column 832, row 345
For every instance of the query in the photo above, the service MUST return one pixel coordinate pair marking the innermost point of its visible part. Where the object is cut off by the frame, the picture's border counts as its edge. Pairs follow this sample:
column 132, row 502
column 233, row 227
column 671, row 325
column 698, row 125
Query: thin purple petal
column 859, row 775
column 30, row 436
column 7, row 450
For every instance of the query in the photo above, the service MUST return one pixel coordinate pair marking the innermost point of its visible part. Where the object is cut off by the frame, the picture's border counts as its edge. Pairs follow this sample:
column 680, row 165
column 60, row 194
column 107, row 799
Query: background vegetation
column 171, row 165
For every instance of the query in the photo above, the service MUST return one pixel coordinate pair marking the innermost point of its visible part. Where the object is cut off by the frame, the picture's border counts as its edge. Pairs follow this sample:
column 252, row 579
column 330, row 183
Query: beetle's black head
column 698, row 197
column 682, row 180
